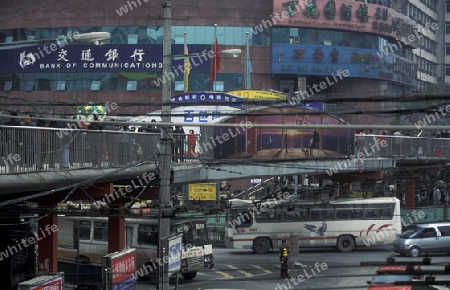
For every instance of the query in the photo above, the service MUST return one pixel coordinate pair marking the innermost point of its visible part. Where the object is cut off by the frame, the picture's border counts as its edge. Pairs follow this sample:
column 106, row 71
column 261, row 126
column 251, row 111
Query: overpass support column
column 116, row 234
column 410, row 194
column 46, row 238
column 116, row 224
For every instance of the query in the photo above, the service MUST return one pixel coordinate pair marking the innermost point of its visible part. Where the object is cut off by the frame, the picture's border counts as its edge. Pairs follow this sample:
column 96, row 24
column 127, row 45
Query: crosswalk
column 242, row 271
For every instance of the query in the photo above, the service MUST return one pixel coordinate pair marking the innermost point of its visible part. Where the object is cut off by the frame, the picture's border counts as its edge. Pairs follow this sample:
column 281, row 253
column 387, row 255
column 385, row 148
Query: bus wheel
column 414, row 252
column 345, row 244
column 261, row 245
column 189, row 276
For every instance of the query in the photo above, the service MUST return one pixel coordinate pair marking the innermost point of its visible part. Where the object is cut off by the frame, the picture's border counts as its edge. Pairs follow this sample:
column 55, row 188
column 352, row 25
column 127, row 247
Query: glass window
column 100, row 231
column 343, row 212
column 148, row 235
column 271, row 215
column 322, row 212
column 447, row 27
column 295, row 214
column 29, row 85
column 356, row 212
column 447, row 70
column 61, row 85
column 7, row 85
column 201, row 234
column 85, row 230
column 429, row 233
column 132, row 38
column 131, row 85
column 95, row 85
column 378, row 211
column 445, row 231
column 239, row 219
column 447, row 6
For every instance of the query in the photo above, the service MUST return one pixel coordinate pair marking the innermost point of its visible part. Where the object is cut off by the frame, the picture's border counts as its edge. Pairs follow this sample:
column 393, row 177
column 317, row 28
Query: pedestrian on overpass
column 284, row 259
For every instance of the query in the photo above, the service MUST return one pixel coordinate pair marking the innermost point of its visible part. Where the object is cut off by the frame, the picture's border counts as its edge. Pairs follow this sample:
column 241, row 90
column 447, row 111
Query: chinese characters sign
column 123, row 267
column 345, row 15
column 175, row 246
column 90, row 58
column 202, row 191
column 325, row 60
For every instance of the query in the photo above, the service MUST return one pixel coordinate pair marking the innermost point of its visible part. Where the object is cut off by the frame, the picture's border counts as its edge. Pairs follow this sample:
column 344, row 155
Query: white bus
column 90, row 235
column 343, row 224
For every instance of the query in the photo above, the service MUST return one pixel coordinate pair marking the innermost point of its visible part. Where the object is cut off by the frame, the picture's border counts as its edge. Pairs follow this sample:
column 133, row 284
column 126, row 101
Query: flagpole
column 246, row 61
column 185, row 76
column 215, row 57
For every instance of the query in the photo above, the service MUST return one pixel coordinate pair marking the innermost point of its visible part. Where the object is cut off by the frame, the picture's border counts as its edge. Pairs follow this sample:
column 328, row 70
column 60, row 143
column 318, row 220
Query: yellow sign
column 202, row 191
column 259, row 94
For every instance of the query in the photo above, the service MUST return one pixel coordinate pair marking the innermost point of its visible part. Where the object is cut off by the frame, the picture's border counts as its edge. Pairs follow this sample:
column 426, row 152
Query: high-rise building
column 427, row 13
column 446, row 54
column 342, row 53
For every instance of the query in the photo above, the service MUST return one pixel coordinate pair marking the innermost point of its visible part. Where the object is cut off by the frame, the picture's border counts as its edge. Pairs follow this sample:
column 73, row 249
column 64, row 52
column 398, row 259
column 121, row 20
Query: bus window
column 100, row 231
column 343, row 212
column 85, row 230
column 357, row 212
column 322, row 213
column 147, row 235
column 290, row 216
column 237, row 219
column 378, row 211
column 302, row 214
column 272, row 215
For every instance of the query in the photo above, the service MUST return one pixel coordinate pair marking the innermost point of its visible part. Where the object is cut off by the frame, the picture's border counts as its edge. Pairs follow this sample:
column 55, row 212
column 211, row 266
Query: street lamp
column 235, row 52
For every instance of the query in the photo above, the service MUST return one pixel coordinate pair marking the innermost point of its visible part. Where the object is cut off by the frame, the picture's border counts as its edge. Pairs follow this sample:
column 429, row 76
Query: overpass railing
column 28, row 149
column 401, row 146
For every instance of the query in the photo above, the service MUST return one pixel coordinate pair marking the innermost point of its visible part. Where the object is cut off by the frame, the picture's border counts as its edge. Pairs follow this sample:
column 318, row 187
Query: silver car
column 424, row 238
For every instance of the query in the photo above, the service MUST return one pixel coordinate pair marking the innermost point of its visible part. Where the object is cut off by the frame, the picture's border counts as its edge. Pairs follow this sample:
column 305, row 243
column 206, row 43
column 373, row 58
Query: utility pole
column 165, row 207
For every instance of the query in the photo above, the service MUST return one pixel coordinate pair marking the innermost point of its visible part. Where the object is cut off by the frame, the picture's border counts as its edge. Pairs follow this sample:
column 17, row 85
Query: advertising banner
column 175, row 246
column 336, row 63
column 260, row 94
column 202, row 191
column 123, row 268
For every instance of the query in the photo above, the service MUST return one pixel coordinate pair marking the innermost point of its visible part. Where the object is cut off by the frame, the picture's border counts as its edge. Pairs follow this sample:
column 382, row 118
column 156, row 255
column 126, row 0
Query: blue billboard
column 105, row 58
column 325, row 60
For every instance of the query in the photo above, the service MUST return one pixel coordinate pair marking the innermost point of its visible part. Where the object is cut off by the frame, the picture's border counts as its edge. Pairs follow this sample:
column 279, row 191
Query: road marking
column 204, row 274
column 262, row 269
column 225, row 275
column 247, row 274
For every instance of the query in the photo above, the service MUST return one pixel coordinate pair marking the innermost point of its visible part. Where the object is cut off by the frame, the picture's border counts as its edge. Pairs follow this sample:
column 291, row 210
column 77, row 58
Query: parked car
column 386, row 276
column 423, row 238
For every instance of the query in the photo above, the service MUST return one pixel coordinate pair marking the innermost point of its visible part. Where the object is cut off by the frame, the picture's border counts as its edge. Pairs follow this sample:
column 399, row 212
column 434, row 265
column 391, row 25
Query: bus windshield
column 194, row 233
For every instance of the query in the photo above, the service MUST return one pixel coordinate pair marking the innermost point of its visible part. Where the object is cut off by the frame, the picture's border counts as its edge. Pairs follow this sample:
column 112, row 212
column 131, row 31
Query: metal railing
column 401, row 146
column 31, row 149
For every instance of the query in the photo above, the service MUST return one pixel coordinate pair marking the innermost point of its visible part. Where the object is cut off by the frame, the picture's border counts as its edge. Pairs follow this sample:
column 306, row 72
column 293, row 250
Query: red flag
column 215, row 63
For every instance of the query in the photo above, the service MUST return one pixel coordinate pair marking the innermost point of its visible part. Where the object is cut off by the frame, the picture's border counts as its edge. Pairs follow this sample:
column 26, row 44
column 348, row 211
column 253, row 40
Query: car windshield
column 410, row 233
column 390, row 279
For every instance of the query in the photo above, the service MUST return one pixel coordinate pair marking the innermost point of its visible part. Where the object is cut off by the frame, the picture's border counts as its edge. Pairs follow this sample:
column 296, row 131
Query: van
column 423, row 238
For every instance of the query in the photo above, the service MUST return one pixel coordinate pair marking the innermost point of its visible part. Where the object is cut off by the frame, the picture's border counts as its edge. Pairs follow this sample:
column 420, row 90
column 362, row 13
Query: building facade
column 326, row 50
